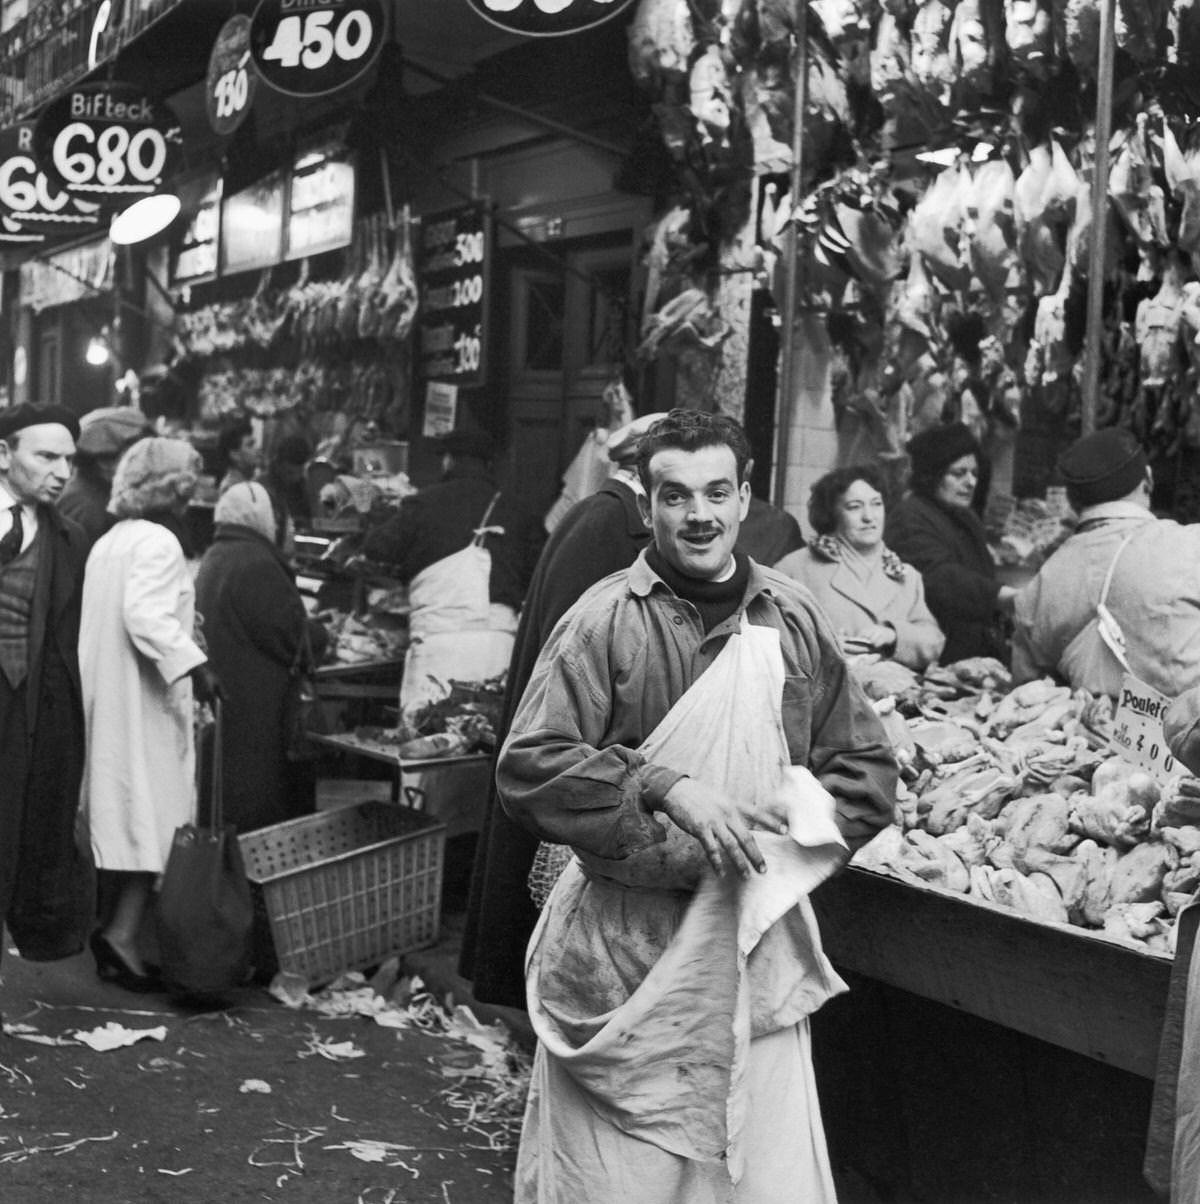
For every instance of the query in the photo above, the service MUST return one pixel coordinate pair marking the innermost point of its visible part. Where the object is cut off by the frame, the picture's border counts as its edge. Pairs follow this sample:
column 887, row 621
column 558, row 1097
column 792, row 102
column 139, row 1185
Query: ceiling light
column 97, row 353
column 144, row 219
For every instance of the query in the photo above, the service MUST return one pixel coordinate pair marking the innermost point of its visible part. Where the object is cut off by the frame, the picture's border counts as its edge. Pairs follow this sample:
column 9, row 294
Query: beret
column 1102, row 466
column 17, row 418
column 466, row 443
column 623, row 442
column 1181, row 727
column 110, row 429
column 939, row 446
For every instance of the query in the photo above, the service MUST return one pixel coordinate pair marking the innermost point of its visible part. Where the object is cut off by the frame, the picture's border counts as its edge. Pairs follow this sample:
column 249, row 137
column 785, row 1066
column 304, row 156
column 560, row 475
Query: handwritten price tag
column 1137, row 734
column 310, row 49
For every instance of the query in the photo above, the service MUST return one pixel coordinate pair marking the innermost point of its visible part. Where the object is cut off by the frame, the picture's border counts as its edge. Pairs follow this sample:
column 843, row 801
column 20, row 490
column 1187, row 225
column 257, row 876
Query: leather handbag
column 205, row 909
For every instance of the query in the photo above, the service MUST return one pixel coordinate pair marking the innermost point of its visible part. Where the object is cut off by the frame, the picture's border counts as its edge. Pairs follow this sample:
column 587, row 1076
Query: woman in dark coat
column 253, row 623
column 936, row 530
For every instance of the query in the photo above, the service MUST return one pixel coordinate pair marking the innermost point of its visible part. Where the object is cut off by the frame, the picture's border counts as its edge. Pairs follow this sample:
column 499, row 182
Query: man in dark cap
column 46, row 883
column 456, row 545
column 103, row 435
column 1122, row 594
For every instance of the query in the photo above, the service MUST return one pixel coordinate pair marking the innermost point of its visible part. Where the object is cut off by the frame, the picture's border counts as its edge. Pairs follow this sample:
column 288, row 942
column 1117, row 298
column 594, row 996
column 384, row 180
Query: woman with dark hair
column 937, row 530
column 875, row 601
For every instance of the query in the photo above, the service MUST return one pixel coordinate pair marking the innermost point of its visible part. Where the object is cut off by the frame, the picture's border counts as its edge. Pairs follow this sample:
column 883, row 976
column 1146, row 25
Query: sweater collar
column 643, row 580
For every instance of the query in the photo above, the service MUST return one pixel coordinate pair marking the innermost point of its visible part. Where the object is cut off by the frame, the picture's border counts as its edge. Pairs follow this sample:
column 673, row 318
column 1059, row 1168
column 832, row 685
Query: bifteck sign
column 548, row 18
column 107, row 143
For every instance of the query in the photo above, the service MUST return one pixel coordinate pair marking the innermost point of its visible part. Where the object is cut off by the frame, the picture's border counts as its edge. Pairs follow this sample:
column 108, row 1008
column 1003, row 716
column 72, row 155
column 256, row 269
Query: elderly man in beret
column 46, row 881
column 1122, row 594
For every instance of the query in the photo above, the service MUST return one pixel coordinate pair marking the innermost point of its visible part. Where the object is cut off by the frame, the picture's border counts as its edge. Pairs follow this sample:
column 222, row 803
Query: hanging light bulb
column 144, row 219
column 97, row 353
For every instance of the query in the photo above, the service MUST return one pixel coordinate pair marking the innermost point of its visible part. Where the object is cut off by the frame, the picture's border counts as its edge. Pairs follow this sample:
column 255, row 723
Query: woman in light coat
column 139, row 660
column 875, row 601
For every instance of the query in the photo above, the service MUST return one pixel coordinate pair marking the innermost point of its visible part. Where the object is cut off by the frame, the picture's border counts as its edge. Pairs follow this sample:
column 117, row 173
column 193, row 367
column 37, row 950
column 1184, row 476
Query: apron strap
column 483, row 530
column 1109, row 628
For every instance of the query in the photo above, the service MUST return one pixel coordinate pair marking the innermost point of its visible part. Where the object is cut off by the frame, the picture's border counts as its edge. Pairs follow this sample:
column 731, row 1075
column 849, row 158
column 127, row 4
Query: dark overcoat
column 253, row 622
column 599, row 535
column 47, row 879
column 947, row 545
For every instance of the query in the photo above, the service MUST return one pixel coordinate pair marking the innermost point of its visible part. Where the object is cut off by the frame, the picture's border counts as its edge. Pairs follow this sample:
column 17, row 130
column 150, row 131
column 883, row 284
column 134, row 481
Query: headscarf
column 247, row 505
column 153, row 475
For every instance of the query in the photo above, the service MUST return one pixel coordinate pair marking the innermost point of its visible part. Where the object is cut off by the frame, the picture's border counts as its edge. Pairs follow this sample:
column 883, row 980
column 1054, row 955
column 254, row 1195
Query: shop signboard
column 314, row 47
column 452, row 274
column 232, row 79
column 28, row 196
column 13, row 234
column 1137, row 734
column 107, row 143
column 252, row 226
column 441, row 409
column 548, row 18
column 321, row 205
column 195, row 257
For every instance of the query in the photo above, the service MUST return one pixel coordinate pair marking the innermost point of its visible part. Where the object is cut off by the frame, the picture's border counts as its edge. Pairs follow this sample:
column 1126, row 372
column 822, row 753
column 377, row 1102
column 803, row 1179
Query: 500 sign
column 107, row 143
column 311, row 47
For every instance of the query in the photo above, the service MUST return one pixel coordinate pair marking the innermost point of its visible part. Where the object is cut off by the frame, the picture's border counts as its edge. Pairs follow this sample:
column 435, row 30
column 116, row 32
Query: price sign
column 13, row 234
column 232, row 79
column 252, row 226
column 1137, row 734
column 312, row 47
column 195, row 255
column 452, row 273
column 107, row 143
column 321, row 208
column 29, row 197
column 547, row 18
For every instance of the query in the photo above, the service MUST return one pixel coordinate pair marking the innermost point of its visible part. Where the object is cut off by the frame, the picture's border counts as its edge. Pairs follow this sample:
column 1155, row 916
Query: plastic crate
column 349, row 887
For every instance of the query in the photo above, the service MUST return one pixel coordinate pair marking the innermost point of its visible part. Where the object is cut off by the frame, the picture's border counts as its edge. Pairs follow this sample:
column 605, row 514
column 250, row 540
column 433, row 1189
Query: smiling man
column 45, row 880
column 656, row 737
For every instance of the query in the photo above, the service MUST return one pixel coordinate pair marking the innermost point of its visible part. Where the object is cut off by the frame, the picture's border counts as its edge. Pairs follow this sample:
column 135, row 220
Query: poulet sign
column 547, row 18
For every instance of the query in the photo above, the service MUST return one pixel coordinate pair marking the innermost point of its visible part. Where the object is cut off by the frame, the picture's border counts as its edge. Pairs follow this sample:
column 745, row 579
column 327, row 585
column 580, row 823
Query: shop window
column 542, row 322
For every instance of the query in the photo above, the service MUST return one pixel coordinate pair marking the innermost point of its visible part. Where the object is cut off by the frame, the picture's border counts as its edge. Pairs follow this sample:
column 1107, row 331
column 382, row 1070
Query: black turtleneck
column 715, row 600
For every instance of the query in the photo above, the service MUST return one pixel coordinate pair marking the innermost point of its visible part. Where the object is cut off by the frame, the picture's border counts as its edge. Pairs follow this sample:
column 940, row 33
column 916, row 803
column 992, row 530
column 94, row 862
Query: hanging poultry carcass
column 992, row 233
column 1137, row 197
column 710, row 96
column 1043, row 197
column 1049, row 360
column 1078, row 35
column 891, row 76
column 661, row 42
column 1028, row 33
column 929, row 38
column 1157, row 327
column 935, row 227
column 1183, row 180
column 847, row 24
column 974, row 43
column 1139, row 28
column 398, row 291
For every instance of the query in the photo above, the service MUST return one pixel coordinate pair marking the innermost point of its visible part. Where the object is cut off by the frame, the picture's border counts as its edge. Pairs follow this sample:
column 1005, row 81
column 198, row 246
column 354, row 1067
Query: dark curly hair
column 691, row 430
column 828, row 491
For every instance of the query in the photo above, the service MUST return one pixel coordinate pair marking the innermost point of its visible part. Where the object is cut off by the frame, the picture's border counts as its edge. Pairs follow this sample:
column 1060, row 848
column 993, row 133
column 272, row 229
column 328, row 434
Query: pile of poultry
column 1013, row 797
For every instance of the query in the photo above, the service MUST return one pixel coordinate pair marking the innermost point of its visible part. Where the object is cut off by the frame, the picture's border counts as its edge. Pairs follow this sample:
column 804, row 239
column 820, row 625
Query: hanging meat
column 1137, row 197
column 930, row 40
column 1157, row 327
column 1139, row 27
column 1081, row 35
column 973, row 44
column 890, row 74
column 710, row 96
column 398, row 290
column 1182, row 173
column 1049, row 360
column 935, row 227
column 992, row 234
column 1042, row 196
column 1029, row 36
column 661, row 41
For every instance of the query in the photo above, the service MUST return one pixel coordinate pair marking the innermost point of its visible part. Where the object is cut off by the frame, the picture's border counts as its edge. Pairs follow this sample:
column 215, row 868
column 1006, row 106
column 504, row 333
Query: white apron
column 455, row 631
column 673, row 1063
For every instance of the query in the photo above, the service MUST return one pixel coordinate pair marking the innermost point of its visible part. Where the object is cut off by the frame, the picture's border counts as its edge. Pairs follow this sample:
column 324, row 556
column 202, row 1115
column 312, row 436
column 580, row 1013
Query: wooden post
column 1095, row 297
column 787, row 351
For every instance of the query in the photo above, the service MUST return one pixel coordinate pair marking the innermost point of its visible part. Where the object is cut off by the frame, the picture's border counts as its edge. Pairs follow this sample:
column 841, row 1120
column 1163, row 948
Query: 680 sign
column 107, row 143
column 310, row 47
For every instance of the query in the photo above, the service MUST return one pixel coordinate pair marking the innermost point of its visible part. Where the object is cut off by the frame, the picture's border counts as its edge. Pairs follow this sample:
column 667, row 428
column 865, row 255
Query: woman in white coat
column 875, row 601
column 139, row 661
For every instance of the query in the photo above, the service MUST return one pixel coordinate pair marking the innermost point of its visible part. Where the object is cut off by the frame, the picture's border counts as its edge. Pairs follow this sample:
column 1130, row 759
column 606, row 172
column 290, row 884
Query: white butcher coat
column 136, row 649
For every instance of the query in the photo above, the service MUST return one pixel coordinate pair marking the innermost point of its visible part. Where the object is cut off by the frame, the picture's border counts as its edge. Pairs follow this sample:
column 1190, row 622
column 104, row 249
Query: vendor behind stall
column 1122, row 594
column 456, row 547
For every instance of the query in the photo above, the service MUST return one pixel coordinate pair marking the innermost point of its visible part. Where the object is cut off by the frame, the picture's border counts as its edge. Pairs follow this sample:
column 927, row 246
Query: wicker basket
column 347, row 888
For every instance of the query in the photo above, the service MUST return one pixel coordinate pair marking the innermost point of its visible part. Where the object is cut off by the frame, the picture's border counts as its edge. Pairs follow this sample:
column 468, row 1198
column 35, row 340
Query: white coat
column 135, row 653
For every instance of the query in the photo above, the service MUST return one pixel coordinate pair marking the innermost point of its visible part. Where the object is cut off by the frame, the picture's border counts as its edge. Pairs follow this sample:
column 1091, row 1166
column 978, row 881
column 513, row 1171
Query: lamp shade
column 144, row 219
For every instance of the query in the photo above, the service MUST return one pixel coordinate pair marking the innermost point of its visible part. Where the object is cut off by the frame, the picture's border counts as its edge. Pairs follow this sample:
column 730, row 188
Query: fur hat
column 17, row 418
column 936, row 448
column 153, row 475
column 1102, row 467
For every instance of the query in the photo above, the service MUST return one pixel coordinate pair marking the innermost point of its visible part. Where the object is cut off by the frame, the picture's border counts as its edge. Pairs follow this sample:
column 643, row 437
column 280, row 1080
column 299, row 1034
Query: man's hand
column 206, row 685
column 718, row 824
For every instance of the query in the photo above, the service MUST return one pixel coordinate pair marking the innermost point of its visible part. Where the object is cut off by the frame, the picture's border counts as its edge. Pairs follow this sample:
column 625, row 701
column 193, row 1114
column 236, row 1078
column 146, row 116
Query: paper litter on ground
column 113, row 1036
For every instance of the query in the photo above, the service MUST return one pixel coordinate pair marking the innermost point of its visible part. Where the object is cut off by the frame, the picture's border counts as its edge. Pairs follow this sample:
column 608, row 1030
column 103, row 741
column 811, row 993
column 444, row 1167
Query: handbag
column 303, row 713
column 205, row 910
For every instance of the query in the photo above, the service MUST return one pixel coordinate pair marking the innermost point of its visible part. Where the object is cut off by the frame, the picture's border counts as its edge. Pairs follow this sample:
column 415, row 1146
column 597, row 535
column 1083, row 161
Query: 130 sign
column 310, row 47
column 231, row 80
column 108, row 143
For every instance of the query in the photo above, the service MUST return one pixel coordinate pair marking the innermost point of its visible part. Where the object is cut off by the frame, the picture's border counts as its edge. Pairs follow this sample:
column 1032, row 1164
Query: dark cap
column 466, row 443
column 17, row 418
column 1102, row 466
column 935, row 449
column 1181, row 727
column 109, row 430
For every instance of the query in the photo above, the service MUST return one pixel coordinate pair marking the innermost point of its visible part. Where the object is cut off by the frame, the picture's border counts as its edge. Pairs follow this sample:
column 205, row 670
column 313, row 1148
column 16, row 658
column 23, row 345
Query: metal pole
column 785, row 390
column 1095, row 297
